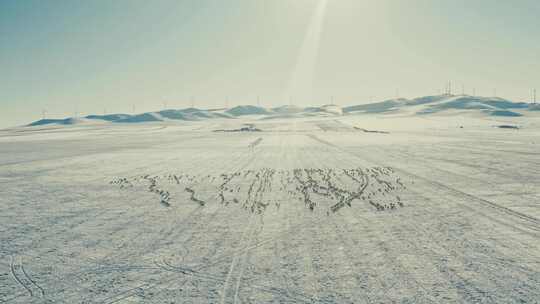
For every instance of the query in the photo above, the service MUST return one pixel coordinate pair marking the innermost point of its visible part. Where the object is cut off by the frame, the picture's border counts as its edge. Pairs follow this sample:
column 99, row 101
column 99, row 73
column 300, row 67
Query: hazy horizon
column 89, row 57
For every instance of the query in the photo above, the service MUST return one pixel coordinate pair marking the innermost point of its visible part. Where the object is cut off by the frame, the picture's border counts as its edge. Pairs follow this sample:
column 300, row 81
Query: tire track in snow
column 238, row 166
column 181, row 270
column 245, row 239
column 534, row 222
column 332, row 220
column 21, row 276
column 439, row 244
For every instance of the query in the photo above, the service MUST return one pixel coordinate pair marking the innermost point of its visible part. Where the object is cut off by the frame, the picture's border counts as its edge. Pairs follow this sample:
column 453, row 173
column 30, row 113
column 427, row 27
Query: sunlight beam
column 303, row 74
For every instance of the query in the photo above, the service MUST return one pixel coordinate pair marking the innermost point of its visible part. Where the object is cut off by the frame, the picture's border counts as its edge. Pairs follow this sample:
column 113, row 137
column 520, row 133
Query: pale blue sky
column 87, row 56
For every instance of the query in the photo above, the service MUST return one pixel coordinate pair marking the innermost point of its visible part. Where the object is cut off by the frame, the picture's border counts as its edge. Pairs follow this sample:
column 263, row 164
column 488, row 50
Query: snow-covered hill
column 490, row 106
column 494, row 106
column 193, row 114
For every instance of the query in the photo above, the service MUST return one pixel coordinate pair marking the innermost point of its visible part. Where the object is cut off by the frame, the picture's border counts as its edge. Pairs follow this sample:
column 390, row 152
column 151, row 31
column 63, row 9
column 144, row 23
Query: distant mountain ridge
column 494, row 106
column 426, row 105
column 194, row 114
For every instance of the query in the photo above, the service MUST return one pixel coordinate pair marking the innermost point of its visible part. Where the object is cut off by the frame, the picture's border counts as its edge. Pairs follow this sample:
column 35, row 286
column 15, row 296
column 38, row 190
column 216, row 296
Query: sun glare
column 301, row 82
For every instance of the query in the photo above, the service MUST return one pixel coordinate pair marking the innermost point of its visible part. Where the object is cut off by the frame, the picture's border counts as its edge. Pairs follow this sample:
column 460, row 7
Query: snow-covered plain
column 369, row 208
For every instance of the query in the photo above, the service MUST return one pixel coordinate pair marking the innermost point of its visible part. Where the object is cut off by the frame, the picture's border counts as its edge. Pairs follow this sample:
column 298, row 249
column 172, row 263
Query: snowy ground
column 319, row 210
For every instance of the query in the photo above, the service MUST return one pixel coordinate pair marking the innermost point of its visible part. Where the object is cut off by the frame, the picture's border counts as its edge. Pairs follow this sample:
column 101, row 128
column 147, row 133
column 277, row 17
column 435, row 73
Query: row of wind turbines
column 447, row 90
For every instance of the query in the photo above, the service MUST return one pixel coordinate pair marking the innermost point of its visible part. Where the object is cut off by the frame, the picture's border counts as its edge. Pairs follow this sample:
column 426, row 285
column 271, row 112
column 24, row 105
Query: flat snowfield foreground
column 351, row 209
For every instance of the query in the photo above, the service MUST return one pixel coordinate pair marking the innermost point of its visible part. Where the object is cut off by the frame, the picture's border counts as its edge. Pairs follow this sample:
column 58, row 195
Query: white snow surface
column 371, row 208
